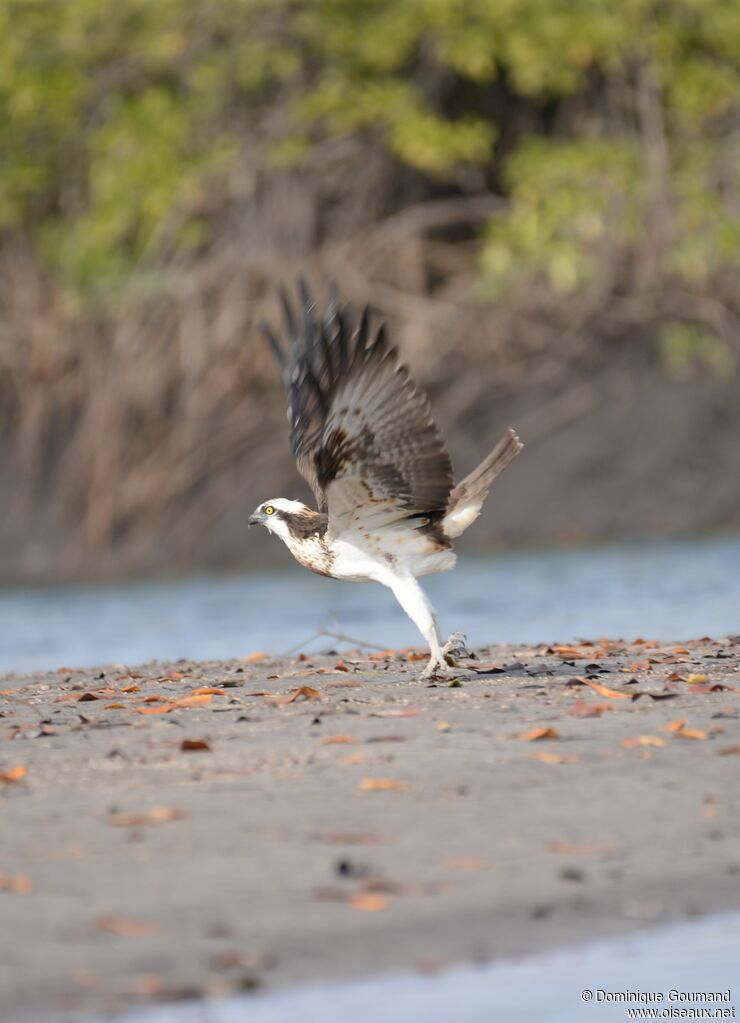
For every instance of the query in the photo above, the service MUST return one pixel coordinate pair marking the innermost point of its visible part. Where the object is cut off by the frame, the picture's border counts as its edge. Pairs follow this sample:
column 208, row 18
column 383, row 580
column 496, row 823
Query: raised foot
column 444, row 664
column 455, row 647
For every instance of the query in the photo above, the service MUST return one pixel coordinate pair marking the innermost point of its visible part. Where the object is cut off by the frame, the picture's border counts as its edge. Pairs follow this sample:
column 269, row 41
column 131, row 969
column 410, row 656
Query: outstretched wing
column 361, row 432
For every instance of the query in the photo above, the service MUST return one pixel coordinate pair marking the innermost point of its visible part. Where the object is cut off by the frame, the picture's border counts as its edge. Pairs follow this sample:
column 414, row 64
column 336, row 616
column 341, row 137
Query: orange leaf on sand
column 539, row 733
column 18, row 884
column 337, row 740
column 675, row 677
column 580, row 848
column 131, row 689
column 303, row 693
column 643, row 740
column 368, row 902
column 210, row 691
column 680, row 730
column 115, row 706
column 196, row 700
column 194, row 746
column 258, row 655
column 695, row 680
column 674, row 726
column 157, row 815
column 572, row 653
column 382, row 785
column 581, row 709
column 14, row 774
column 125, row 926
column 555, row 758
column 610, row 694
column 691, row 733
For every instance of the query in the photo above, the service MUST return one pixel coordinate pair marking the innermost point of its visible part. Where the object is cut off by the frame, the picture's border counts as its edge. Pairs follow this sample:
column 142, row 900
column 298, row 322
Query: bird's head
column 277, row 515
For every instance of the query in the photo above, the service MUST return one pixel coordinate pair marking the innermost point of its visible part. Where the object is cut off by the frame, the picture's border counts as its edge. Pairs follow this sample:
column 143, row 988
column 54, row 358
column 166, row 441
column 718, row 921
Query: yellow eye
column 269, row 510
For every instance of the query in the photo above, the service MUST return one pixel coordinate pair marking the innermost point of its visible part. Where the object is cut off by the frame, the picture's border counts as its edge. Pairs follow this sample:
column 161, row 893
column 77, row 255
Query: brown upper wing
column 361, row 432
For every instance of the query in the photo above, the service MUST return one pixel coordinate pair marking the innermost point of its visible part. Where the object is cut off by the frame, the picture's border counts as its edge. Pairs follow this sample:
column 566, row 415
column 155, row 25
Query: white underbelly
column 378, row 563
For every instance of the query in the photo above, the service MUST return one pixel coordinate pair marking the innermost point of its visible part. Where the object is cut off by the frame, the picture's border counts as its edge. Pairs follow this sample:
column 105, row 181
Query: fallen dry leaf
column 555, row 758
column 539, row 733
column 125, row 926
column 580, row 848
column 610, row 694
column 695, row 680
column 353, row 758
column 131, row 689
column 194, row 746
column 258, row 655
column 675, row 677
column 382, row 785
column 444, row 726
column 195, row 700
column 368, row 902
column 115, row 706
column 337, row 740
column 572, row 653
column 730, row 751
column 18, row 884
column 643, row 740
column 14, row 774
column 157, row 815
column 580, row 709
column 210, row 691
column 674, row 726
column 303, row 693
column 691, row 733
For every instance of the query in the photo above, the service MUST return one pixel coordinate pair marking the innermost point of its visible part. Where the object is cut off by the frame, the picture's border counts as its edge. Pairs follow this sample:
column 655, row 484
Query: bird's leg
column 416, row 604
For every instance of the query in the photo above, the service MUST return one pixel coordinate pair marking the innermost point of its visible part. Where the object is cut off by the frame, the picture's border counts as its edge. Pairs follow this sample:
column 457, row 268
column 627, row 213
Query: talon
column 454, row 648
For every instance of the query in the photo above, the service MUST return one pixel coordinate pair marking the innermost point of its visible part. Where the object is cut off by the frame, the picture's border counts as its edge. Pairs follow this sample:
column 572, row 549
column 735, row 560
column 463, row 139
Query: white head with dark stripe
column 278, row 515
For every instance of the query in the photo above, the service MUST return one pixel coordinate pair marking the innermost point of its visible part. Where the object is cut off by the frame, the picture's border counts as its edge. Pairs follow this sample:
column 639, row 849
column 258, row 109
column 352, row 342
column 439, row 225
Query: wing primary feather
column 291, row 326
column 309, row 318
column 277, row 349
column 332, row 304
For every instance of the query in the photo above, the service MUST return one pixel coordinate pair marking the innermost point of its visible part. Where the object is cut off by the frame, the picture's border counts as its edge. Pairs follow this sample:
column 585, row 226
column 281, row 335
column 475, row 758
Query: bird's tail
column 466, row 500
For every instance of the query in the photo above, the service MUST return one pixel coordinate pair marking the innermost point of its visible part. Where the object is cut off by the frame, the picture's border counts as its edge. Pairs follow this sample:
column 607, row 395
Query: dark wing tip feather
column 277, row 349
column 291, row 326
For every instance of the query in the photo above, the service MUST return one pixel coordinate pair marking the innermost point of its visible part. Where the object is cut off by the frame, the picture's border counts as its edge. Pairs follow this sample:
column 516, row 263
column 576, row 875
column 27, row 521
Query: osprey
column 363, row 437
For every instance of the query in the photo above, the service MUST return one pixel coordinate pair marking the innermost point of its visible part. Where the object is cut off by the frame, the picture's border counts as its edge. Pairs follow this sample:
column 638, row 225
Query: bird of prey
column 363, row 437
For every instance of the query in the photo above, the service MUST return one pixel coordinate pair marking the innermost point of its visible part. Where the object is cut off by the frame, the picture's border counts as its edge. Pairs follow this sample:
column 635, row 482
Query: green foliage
column 120, row 122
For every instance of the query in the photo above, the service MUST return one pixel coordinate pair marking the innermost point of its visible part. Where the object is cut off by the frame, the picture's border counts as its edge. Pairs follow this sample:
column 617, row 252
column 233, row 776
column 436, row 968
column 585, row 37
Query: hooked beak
column 255, row 519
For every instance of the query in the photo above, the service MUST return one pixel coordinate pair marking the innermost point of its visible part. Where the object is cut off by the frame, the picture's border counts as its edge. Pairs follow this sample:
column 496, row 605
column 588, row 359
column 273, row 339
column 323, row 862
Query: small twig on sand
column 340, row 636
column 330, row 634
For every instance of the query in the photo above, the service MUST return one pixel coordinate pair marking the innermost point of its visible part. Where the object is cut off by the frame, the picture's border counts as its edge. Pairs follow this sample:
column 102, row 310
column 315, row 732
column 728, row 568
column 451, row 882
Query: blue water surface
column 671, row 590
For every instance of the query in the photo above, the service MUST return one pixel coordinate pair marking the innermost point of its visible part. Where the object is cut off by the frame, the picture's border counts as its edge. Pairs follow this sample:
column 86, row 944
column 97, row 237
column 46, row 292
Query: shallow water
column 567, row 986
column 675, row 590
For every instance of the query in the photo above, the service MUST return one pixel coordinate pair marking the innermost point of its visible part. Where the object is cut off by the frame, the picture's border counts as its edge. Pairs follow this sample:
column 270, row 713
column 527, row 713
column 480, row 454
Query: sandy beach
column 199, row 830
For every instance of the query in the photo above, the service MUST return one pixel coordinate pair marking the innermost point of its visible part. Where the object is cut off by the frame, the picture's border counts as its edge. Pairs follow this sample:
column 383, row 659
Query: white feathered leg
column 415, row 603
